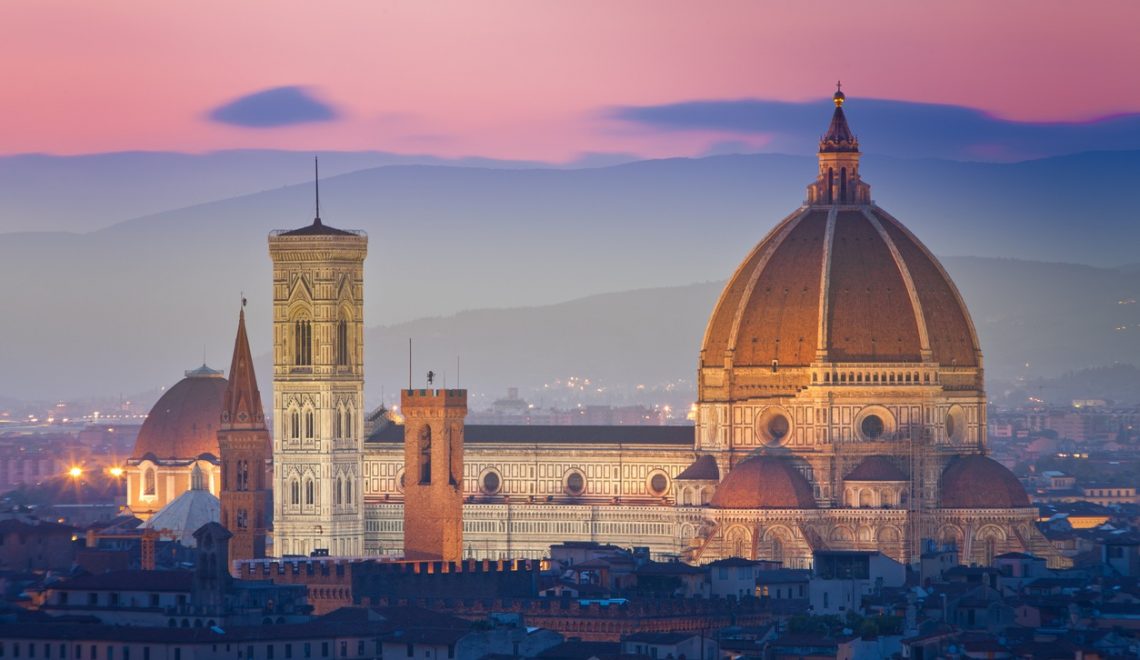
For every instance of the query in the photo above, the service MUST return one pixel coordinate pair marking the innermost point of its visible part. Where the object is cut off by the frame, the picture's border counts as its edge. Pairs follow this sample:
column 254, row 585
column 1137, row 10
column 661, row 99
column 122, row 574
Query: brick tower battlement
column 433, row 473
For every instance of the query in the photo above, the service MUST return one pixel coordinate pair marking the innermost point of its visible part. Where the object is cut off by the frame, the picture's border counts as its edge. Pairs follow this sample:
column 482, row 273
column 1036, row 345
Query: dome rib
column 908, row 281
column 870, row 317
column 722, row 322
column 944, row 307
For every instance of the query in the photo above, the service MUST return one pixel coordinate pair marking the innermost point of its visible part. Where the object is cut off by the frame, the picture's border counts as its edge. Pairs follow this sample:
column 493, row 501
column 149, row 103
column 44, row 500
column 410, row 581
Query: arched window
column 295, row 424
column 342, row 343
column 830, row 185
column 348, row 433
column 843, row 184
column 149, row 482
column 242, row 475
column 295, row 492
column 338, row 494
column 310, row 425
column 425, row 454
column 310, row 496
column 302, row 343
column 348, row 491
column 338, row 424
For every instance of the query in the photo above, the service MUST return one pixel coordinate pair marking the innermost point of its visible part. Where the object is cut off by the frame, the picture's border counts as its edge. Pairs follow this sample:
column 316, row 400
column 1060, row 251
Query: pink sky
column 529, row 79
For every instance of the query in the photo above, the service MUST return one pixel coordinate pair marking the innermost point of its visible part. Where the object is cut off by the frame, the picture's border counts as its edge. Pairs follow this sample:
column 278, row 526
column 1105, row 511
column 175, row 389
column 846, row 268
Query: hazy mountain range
column 128, row 307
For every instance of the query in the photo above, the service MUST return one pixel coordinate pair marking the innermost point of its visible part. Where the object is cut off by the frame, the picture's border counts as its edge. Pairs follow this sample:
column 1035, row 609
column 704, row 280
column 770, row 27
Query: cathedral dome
column 764, row 482
column 184, row 422
column 978, row 482
column 876, row 288
column 839, row 280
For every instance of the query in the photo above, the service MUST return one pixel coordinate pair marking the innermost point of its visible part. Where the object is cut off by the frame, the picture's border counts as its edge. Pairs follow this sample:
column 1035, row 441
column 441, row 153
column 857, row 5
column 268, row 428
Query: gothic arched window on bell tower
column 348, row 422
column 338, row 423
column 295, row 492
column 348, row 490
column 310, row 495
column 302, row 343
column 310, row 425
column 425, row 454
column 342, row 343
column 295, row 424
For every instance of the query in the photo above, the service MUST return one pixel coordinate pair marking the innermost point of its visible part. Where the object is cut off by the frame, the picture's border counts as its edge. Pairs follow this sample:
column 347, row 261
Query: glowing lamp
column 75, row 472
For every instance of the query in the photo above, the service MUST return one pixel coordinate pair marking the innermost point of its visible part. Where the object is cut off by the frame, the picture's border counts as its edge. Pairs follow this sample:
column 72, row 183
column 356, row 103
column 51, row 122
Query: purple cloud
column 895, row 128
column 270, row 108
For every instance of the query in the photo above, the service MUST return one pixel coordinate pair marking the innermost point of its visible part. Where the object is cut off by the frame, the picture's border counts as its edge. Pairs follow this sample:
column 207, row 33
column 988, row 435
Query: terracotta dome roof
column 184, row 422
column 876, row 468
column 978, row 482
column 702, row 469
column 770, row 309
column 839, row 280
column 764, row 482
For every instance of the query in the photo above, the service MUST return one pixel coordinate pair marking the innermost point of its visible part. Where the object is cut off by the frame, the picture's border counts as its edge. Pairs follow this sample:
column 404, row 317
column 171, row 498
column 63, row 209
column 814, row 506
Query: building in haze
column 841, row 407
column 318, row 389
column 180, row 434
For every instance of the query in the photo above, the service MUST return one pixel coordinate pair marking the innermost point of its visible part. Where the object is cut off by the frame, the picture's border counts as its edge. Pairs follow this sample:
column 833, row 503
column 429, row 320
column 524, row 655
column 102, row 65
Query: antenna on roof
column 317, row 189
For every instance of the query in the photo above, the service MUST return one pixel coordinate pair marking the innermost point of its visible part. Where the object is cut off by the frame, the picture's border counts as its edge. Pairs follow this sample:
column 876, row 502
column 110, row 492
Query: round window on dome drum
column 658, row 483
column 491, row 482
column 575, row 483
column 778, row 427
column 773, row 427
column 872, row 427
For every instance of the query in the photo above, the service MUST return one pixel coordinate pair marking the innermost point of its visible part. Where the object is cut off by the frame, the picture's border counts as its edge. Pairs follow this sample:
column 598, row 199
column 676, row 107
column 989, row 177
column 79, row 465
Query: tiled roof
column 678, row 436
column 131, row 581
column 702, row 469
column 876, row 468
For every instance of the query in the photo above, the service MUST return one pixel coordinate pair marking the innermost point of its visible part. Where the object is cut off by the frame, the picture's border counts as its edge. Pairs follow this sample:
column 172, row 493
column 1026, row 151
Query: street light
column 75, row 472
column 116, row 472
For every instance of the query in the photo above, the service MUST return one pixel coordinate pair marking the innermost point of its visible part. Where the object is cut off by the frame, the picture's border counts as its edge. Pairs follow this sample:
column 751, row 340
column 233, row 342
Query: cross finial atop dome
column 839, row 137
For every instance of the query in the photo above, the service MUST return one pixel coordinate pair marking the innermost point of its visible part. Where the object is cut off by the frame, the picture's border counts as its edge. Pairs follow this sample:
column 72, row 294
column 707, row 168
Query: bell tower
column 243, row 441
column 433, row 473
column 318, row 389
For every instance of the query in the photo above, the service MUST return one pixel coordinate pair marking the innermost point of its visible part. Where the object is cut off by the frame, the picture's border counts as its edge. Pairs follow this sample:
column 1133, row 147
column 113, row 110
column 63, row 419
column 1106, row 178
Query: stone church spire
column 243, row 441
column 839, row 182
column 242, row 404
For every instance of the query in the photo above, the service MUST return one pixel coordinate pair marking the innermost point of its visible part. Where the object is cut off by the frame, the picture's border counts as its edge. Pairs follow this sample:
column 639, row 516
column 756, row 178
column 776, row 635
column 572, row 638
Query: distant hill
column 89, row 192
column 1053, row 317
column 127, row 308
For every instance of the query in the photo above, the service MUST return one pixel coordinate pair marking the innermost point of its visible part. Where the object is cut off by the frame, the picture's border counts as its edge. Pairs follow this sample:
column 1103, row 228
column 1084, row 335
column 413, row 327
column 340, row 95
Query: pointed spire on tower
column 242, row 404
column 317, row 189
column 839, row 137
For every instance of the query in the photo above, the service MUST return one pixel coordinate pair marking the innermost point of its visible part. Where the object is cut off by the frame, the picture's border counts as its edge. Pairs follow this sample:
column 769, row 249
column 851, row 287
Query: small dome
column 977, row 482
column 764, row 482
column 876, row 468
column 702, row 469
column 184, row 422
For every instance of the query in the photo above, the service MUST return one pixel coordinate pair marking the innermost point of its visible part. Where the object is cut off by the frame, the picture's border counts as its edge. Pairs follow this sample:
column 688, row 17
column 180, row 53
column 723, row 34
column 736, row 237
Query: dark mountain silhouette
column 127, row 308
